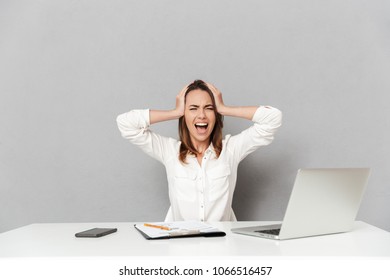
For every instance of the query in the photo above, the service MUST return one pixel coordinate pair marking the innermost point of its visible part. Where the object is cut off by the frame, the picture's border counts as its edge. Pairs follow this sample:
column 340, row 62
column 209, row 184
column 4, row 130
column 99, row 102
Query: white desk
column 58, row 240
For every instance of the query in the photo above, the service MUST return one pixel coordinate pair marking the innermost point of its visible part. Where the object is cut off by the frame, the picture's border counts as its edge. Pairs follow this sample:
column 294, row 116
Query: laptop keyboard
column 274, row 231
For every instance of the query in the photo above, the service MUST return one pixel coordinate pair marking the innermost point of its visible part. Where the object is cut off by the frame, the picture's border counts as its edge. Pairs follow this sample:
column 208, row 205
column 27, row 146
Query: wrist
column 177, row 114
column 223, row 110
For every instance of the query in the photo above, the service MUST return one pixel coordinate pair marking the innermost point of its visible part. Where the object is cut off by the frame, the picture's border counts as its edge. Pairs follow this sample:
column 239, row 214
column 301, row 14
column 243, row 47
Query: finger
column 214, row 90
column 210, row 85
column 184, row 90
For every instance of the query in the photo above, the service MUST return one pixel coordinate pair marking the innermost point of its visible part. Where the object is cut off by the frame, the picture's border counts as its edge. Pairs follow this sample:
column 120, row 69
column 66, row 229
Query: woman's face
column 199, row 116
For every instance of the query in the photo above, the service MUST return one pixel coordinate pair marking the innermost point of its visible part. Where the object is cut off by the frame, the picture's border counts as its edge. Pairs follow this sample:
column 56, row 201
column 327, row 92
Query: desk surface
column 58, row 240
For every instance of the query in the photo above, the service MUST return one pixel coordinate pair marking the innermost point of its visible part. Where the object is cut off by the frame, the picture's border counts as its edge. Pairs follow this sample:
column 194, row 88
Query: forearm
column 246, row 112
column 156, row 116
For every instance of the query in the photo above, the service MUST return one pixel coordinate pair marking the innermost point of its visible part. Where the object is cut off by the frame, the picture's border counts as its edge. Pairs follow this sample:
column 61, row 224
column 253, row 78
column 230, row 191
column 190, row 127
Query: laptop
column 323, row 201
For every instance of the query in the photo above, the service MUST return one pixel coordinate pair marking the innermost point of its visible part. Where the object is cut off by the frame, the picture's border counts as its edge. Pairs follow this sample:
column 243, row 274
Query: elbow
column 124, row 126
column 275, row 119
column 120, row 123
column 278, row 118
column 131, row 124
column 118, row 120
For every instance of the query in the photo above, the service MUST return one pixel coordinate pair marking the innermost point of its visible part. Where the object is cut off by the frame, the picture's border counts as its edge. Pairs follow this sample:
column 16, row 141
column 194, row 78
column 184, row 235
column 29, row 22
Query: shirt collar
column 209, row 150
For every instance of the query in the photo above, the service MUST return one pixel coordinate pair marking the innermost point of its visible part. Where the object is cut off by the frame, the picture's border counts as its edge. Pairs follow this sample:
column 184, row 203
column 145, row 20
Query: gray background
column 68, row 68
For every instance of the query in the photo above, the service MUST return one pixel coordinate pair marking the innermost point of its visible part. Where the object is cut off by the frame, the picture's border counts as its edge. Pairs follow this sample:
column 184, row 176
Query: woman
column 202, row 167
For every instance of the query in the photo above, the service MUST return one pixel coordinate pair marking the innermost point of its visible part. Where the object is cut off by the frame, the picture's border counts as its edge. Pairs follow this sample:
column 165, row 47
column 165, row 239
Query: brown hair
column 186, row 146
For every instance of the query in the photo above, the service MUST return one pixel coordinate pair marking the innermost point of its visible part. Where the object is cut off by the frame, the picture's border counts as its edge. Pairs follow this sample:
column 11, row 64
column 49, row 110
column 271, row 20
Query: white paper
column 176, row 228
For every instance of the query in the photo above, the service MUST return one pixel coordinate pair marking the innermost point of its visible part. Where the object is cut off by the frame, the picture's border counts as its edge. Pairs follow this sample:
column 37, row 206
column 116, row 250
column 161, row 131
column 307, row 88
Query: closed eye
column 207, row 107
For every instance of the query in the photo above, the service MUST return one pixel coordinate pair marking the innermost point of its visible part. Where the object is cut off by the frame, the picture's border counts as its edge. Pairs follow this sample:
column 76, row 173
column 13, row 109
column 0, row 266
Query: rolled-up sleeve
column 266, row 120
column 134, row 126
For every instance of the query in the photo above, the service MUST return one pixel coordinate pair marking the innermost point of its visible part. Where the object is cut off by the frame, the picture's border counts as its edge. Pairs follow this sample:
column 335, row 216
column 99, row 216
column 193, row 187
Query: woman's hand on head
column 180, row 101
column 218, row 98
column 156, row 116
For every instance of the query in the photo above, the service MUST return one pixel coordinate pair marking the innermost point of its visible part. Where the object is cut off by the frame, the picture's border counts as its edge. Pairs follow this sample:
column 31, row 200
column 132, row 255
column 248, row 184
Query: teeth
column 201, row 124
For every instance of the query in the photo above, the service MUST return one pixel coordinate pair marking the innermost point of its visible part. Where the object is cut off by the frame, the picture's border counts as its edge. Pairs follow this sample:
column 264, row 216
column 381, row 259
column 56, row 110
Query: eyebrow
column 197, row 106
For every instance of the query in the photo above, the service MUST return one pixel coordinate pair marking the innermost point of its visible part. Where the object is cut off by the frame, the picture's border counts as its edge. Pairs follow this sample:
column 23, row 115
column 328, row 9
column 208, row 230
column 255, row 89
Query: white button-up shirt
column 201, row 192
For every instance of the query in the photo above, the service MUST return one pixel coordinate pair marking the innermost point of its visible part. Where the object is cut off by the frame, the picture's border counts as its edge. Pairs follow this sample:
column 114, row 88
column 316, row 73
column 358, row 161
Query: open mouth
column 201, row 127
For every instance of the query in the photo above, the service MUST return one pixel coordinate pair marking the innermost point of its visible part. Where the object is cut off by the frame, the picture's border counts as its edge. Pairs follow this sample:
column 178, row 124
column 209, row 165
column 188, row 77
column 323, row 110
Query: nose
column 202, row 114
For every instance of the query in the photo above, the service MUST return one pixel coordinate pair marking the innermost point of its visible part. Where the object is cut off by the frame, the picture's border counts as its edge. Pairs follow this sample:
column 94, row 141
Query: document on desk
column 164, row 230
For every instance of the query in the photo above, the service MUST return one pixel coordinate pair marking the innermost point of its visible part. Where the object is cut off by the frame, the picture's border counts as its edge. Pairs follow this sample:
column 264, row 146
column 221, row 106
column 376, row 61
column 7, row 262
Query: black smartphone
column 96, row 232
